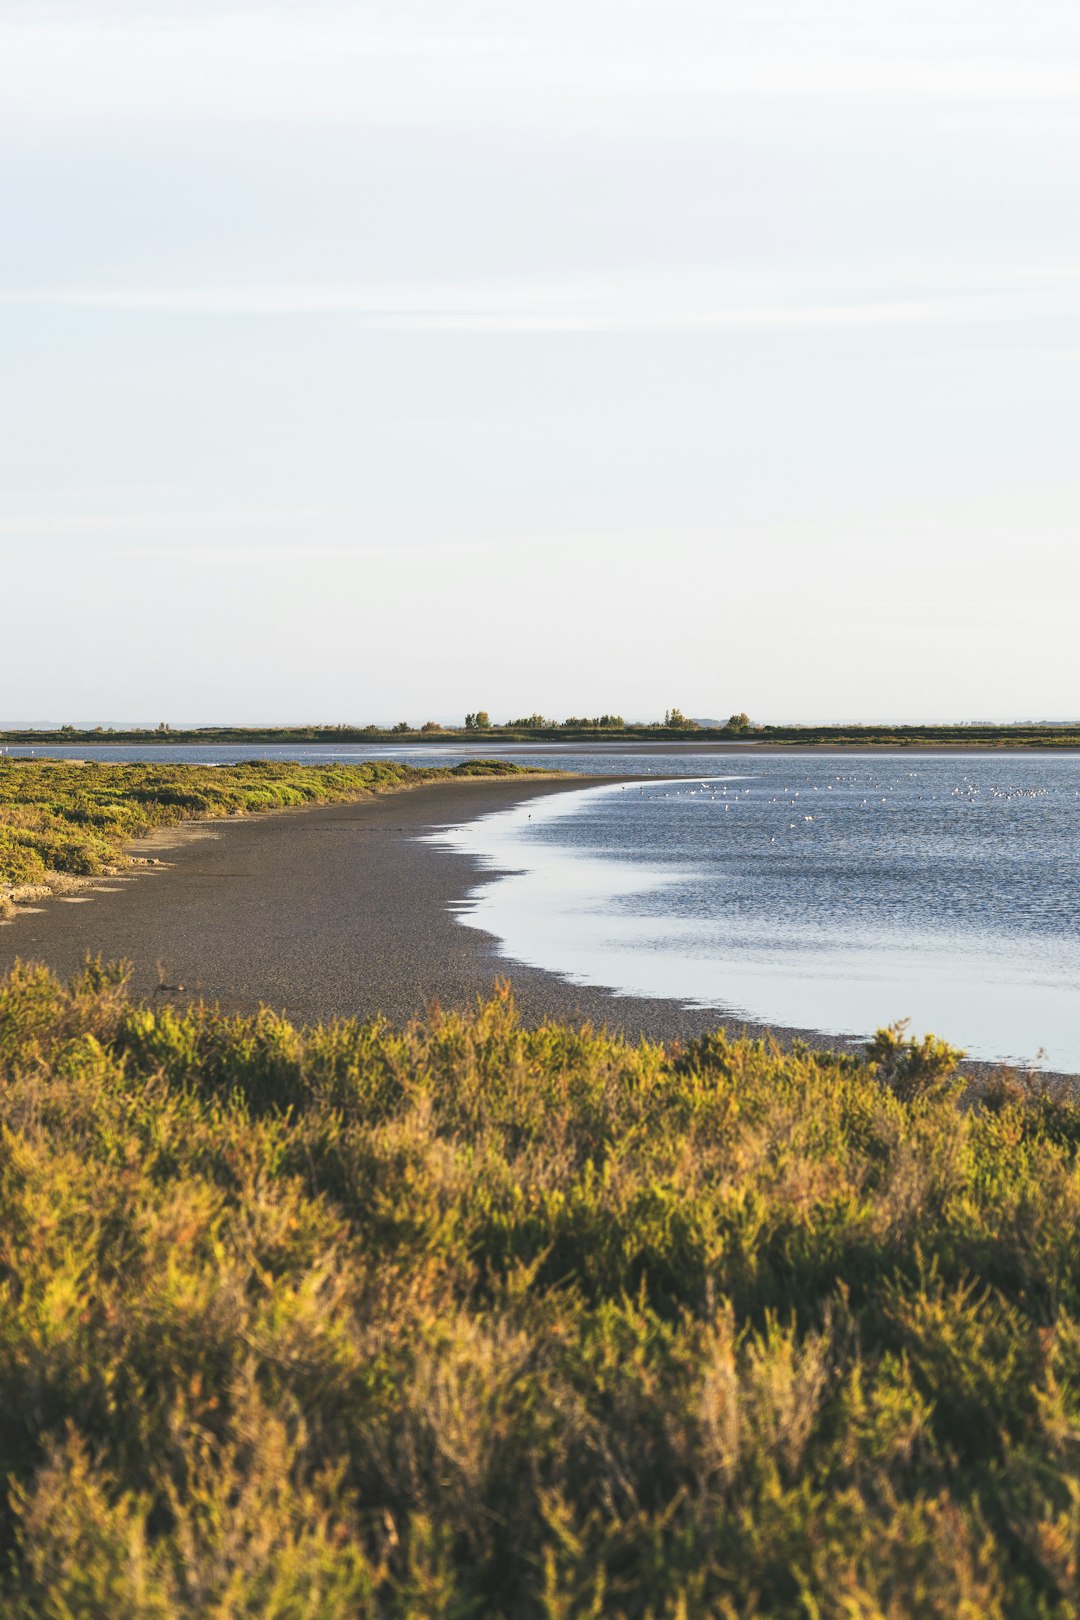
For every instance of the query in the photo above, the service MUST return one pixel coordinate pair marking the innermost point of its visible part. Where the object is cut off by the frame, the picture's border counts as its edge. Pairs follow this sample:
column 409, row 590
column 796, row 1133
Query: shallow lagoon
column 829, row 892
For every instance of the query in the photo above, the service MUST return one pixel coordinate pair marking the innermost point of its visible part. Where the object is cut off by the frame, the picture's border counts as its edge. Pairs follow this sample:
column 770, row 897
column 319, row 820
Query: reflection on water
column 817, row 892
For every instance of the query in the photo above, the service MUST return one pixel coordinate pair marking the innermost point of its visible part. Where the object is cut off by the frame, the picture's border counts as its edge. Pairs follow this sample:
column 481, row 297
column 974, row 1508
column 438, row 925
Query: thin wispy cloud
column 653, row 304
column 417, row 64
column 152, row 521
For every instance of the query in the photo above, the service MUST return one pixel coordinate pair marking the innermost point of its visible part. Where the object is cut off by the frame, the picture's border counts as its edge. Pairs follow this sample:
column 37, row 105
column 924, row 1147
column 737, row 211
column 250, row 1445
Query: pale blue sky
column 371, row 360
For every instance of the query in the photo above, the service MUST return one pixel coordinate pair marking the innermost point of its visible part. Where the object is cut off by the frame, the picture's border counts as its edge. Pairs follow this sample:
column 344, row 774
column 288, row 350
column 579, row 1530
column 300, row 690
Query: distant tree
column 163, row 726
column 403, row 725
column 738, row 722
column 598, row 722
column 530, row 722
column 480, row 721
column 675, row 720
column 431, row 725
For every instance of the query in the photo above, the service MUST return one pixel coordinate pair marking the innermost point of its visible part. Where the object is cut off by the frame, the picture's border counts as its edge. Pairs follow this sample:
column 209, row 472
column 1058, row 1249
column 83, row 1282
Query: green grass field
column 472, row 1321
column 61, row 818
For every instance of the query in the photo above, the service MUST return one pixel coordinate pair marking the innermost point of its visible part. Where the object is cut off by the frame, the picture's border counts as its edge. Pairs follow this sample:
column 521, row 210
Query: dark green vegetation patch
column 59, row 816
column 477, row 1321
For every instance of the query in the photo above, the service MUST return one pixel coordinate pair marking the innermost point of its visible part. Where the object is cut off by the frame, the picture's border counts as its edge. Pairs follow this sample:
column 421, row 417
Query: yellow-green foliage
column 56, row 816
column 471, row 1320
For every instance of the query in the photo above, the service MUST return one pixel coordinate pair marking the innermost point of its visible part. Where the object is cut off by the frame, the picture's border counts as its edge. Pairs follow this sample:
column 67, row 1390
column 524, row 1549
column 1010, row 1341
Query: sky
column 385, row 359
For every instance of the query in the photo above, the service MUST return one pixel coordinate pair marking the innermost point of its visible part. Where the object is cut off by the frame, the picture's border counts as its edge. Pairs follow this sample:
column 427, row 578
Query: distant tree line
column 675, row 723
column 598, row 722
column 477, row 720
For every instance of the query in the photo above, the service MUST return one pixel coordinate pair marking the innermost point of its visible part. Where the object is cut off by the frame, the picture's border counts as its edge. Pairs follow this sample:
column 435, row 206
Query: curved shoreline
column 335, row 911
column 323, row 912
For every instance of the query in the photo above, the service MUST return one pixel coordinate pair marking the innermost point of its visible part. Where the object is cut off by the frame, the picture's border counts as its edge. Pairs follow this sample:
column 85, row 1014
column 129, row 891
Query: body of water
column 592, row 759
column 826, row 892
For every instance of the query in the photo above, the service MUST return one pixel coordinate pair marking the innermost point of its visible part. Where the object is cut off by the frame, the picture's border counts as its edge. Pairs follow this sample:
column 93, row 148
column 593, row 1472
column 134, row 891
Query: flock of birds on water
column 716, row 791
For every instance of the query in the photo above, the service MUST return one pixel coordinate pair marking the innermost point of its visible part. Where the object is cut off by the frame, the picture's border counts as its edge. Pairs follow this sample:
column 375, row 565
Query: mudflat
column 331, row 911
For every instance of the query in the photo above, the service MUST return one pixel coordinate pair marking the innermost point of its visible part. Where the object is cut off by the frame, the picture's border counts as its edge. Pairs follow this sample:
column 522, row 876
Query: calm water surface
column 835, row 893
column 595, row 760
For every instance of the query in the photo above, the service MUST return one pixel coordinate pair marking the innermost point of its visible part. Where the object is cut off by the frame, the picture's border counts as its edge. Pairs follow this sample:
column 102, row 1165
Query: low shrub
column 63, row 817
column 471, row 1319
